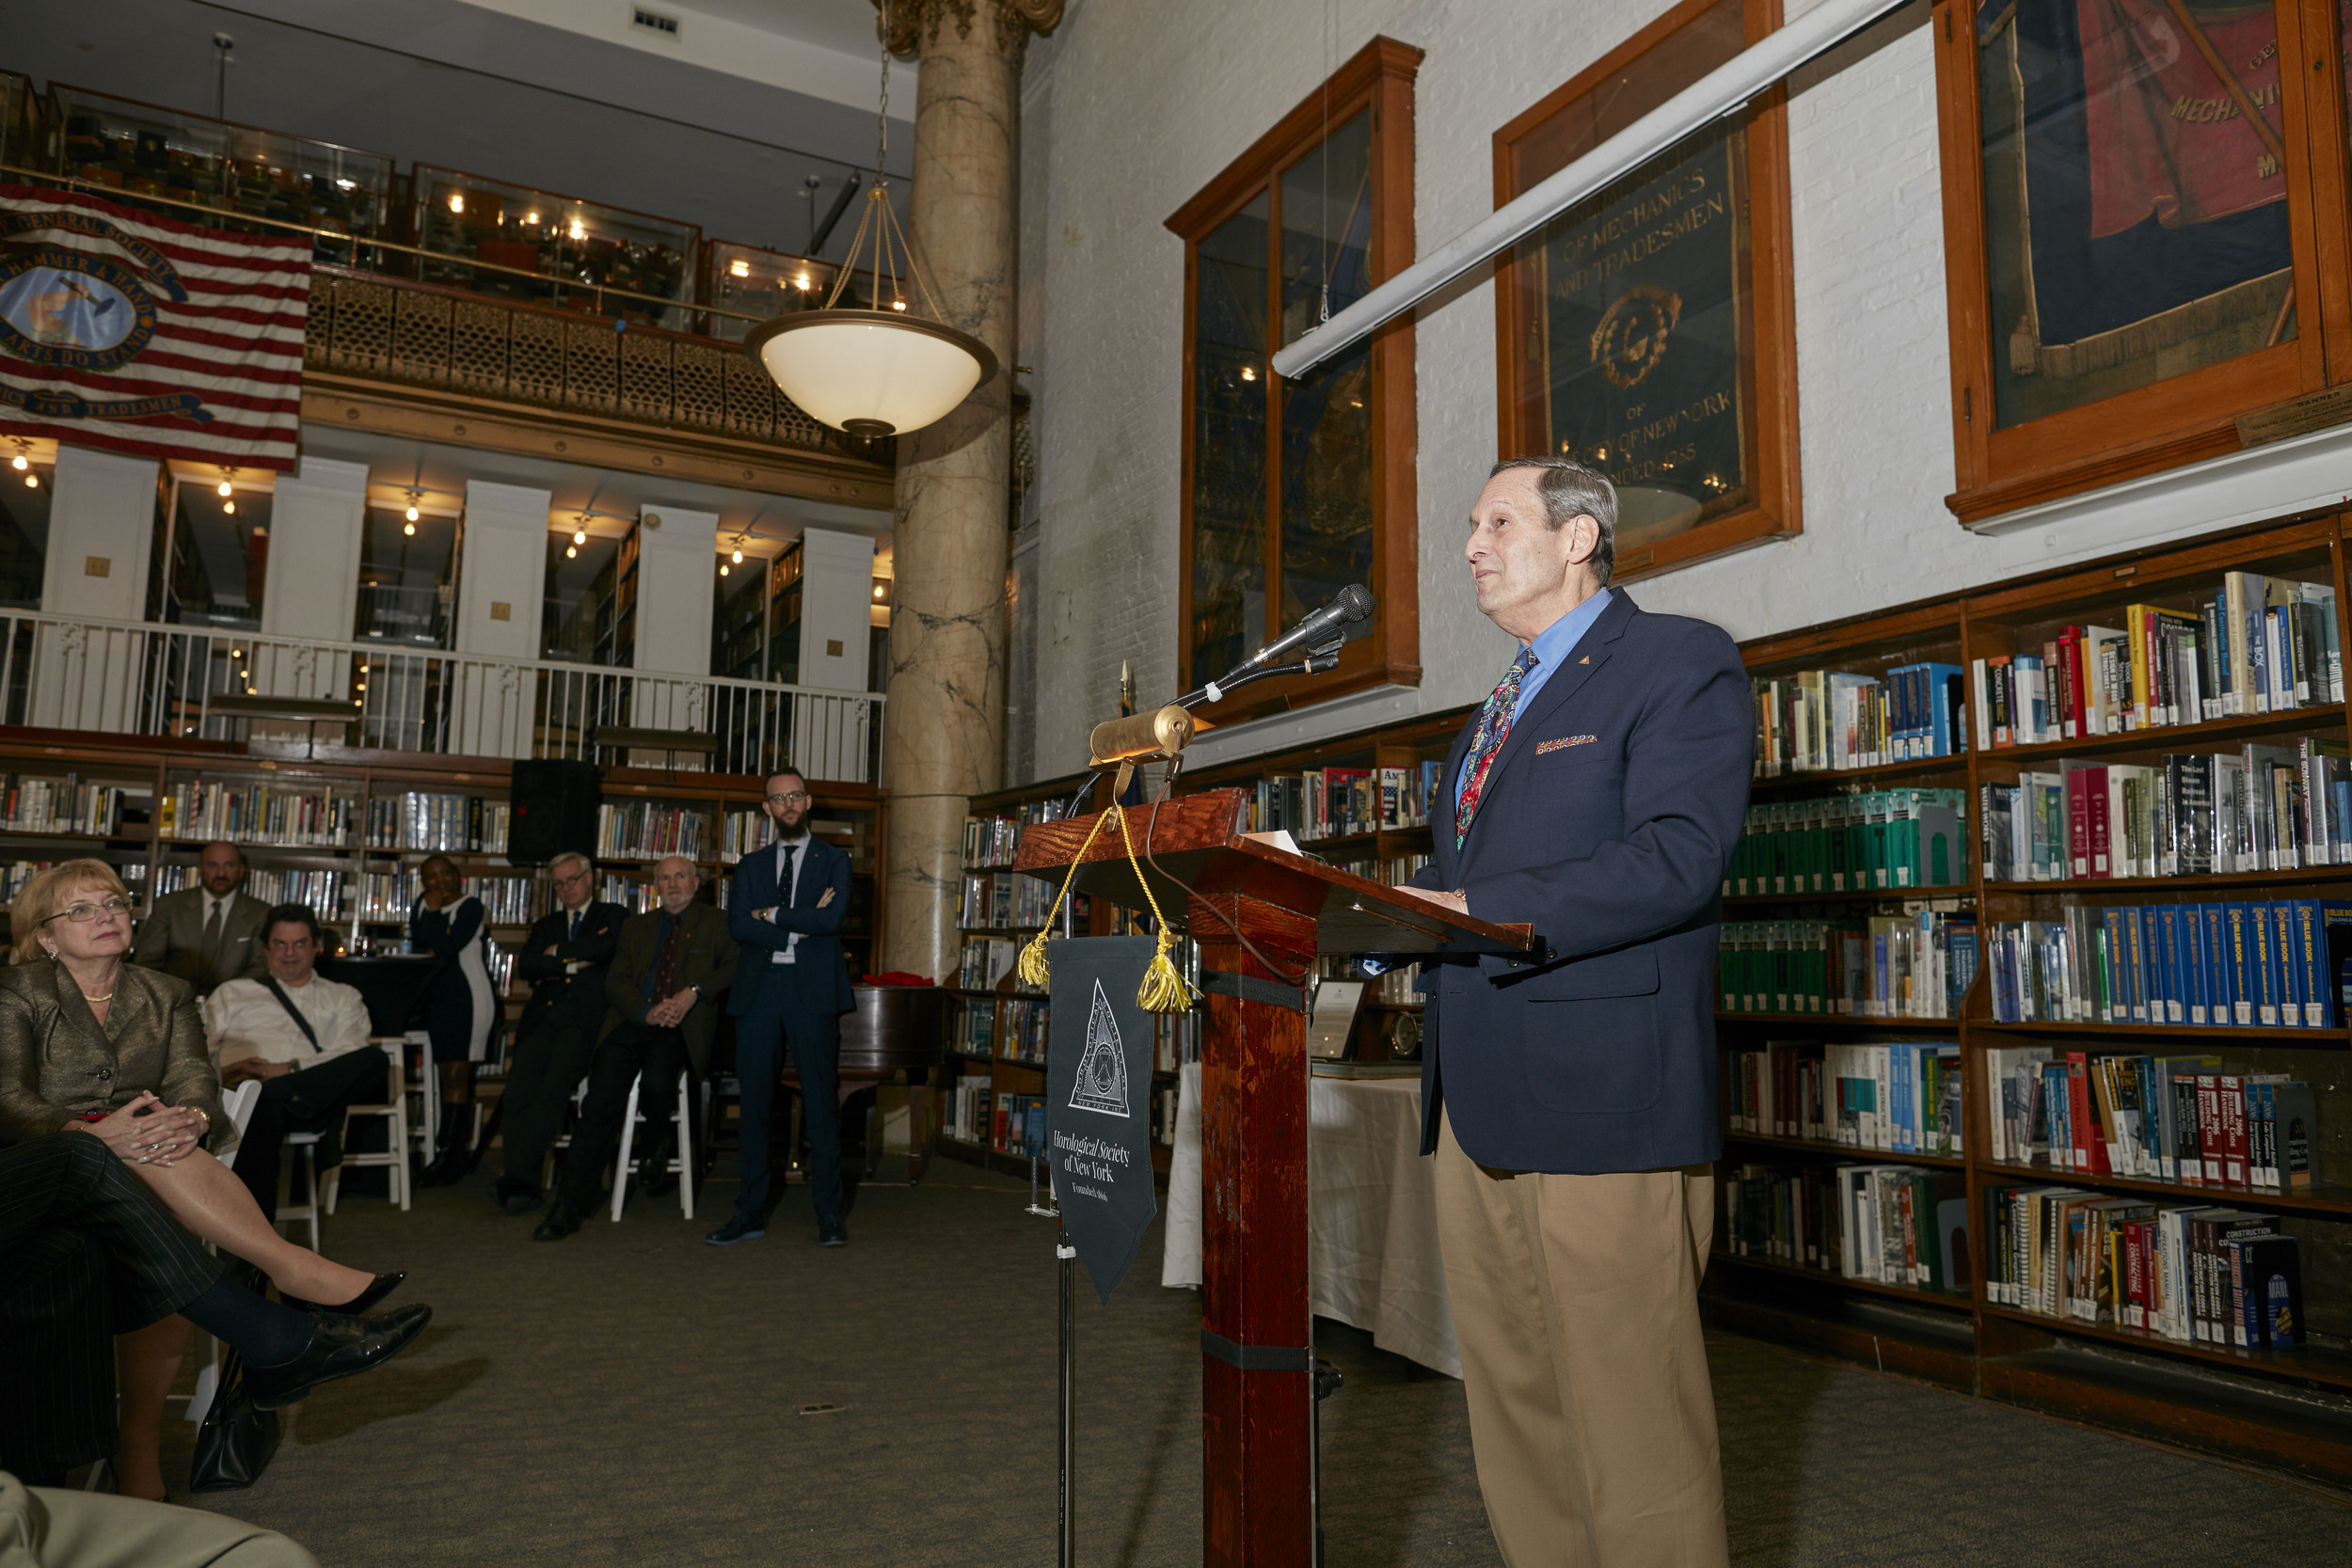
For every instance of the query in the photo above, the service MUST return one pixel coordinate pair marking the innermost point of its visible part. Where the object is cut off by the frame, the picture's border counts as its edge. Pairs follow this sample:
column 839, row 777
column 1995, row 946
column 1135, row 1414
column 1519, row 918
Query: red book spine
column 2077, row 823
column 2090, row 1150
column 2231, row 1095
column 2095, row 785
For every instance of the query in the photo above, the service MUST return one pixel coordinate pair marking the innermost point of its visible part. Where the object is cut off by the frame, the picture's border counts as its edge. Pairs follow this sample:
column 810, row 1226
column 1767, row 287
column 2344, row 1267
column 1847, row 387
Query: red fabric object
column 2165, row 135
column 897, row 977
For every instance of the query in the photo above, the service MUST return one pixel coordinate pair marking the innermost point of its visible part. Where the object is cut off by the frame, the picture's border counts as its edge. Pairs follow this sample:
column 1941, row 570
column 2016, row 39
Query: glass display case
column 578, row 250
column 142, row 149
column 768, row 284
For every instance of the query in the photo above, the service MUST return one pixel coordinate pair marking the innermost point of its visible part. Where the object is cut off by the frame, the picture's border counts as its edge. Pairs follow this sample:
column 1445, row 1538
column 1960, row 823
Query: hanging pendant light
column 882, row 372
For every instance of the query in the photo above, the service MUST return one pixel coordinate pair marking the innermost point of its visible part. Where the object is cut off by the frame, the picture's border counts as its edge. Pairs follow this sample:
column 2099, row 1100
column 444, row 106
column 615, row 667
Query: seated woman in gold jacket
column 95, row 1046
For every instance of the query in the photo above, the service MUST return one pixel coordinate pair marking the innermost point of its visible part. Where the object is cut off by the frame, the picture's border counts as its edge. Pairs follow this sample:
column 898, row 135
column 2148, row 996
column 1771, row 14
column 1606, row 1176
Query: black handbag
column 234, row 1444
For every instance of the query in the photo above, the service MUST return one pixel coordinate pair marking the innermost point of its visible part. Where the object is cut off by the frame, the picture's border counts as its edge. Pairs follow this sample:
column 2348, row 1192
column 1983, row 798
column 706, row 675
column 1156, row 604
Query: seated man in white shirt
column 304, row 1038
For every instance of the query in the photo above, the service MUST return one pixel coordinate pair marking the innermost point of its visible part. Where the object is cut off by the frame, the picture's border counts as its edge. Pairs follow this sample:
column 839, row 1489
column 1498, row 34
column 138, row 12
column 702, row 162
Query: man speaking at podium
column 1570, row 1096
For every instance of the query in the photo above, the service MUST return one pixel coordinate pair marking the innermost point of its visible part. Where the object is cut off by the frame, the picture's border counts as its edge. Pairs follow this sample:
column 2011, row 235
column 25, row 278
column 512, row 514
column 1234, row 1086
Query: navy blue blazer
column 818, row 974
column 1607, row 824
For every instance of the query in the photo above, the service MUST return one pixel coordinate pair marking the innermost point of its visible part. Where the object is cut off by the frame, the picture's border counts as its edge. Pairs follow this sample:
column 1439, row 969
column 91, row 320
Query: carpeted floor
column 633, row 1397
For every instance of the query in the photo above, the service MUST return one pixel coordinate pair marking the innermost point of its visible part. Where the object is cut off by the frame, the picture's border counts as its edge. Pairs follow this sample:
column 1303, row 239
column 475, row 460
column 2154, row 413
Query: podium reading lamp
column 1261, row 915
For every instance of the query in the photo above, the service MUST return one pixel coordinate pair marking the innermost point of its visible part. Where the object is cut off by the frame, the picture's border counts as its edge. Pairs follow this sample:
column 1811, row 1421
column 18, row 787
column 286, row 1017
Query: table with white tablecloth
column 1372, row 1248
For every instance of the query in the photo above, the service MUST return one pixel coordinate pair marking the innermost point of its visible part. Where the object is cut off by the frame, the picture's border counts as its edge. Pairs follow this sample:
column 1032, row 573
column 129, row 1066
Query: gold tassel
column 1164, row 990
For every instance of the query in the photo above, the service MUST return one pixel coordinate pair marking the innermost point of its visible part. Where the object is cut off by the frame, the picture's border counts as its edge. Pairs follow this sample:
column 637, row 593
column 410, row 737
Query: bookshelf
column 997, row 1023
column 346, row 832
column 2059, row 992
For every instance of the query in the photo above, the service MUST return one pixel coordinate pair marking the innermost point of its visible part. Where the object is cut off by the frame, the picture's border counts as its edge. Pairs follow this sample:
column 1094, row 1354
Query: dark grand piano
column 893, row 1030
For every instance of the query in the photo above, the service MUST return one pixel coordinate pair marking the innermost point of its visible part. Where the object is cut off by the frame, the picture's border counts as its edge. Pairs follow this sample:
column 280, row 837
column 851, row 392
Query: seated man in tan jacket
column 207, row 933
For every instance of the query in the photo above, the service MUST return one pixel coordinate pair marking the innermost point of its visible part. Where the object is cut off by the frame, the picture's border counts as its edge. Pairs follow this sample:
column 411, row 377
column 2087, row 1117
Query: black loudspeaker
column 553, row 810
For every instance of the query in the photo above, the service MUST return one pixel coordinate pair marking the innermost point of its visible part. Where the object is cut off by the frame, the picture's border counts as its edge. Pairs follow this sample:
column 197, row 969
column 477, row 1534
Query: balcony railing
column 127, row 679
column 425, row 335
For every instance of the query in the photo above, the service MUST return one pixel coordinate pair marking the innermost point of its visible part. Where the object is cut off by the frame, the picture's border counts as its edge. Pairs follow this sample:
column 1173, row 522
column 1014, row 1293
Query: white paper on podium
column 1371, row 1247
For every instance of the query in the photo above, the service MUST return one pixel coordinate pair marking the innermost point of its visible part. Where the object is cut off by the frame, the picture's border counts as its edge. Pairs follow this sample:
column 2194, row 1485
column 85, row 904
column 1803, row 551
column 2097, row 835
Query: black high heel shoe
column 385, row 1285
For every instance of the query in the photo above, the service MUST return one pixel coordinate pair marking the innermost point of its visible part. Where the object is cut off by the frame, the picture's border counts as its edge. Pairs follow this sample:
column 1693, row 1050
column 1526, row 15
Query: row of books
column 648, row 830
column 741, row 831
column 991, row 841
column 451, row 824
column 1880, row 838
column 2257, row 644
column 1918, row 964
column 2202, row 1276
column 2265, row 808
column 2164, row 1118
column 1898, row 1097
column 1331, row 802
column 259, row 814
column 1896, row 1225
column 32, row 804
column 972, row 1032
column 1822, row 721
column 1022, row 1034
column 2268, row 965
column 636, row 894
column 392, row 896
column 985, row 960
column 1004, row 901
column 1393, row 871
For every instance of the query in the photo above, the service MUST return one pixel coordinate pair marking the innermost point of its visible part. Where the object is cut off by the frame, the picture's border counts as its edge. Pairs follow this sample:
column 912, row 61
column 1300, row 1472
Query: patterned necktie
column 665, row 969
column 1494, row 728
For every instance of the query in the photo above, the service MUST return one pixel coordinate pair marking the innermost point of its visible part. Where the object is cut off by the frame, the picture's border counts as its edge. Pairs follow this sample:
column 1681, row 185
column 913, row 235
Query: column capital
column 915, row 25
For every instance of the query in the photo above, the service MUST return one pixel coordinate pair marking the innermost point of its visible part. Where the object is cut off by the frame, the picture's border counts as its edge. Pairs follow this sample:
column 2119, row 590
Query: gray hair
column 570, row 857
column 1572, row 490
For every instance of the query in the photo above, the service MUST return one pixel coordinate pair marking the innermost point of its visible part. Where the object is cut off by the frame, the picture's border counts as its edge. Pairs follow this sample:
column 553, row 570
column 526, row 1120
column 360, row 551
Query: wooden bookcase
column 374, row 785
column 2291, row 1408
column 986, row 1042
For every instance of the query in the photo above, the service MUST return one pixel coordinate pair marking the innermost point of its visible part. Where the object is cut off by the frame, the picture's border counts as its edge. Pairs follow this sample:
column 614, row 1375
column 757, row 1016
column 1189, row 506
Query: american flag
column 140, row 335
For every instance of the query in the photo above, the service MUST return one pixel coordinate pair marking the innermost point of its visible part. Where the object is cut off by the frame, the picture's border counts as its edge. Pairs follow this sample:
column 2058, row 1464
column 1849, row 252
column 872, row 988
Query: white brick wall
column 1135, row 107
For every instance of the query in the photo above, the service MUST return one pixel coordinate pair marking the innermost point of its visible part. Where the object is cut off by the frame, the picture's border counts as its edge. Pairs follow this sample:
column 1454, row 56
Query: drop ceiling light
column 874, row 372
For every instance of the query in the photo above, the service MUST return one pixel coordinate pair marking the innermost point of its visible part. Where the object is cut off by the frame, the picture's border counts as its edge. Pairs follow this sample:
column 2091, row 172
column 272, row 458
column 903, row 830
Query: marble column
column 944, row 724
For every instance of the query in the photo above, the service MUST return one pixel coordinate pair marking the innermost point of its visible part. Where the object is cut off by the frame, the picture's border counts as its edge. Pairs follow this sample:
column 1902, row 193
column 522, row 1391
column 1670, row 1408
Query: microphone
column 1350, row 604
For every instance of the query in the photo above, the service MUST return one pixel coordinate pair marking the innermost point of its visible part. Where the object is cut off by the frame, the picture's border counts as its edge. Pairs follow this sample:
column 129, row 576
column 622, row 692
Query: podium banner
column 1098, row 1100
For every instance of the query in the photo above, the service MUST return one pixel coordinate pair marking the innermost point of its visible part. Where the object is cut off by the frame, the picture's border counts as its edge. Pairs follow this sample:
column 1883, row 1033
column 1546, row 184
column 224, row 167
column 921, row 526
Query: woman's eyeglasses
column 82, row 914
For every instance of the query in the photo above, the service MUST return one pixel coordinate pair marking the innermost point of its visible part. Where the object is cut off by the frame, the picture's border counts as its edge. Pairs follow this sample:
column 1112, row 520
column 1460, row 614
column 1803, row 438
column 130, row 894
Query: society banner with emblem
column 140, row 335
column 1098, row 1100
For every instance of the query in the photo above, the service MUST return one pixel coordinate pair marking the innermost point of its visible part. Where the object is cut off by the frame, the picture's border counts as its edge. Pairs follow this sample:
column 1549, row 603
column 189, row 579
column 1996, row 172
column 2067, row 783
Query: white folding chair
column 426, row 1124
column 237, row 1104
column 682, row 1164
column 395, row 1112
column 305, row 1145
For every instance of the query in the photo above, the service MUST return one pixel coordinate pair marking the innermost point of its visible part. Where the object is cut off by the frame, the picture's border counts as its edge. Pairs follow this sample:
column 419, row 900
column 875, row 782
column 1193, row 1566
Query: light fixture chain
column 882, row 137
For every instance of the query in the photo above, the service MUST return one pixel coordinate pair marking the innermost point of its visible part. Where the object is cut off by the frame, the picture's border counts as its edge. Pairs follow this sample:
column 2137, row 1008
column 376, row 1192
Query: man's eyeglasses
column 572, row 881
column 796, row 797
column 82, row 914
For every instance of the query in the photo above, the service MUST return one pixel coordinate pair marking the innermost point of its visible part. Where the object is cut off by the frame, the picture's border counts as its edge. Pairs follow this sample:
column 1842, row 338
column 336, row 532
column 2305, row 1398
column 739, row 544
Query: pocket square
column 1564, row 742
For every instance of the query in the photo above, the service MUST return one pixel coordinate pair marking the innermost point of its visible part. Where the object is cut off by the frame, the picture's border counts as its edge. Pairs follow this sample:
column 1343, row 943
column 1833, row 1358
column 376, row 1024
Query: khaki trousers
column 1576, row 1303
column 41, row 1527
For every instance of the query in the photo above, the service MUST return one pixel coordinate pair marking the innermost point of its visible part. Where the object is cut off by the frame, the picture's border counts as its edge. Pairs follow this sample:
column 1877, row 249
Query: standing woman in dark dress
column 458, row 1010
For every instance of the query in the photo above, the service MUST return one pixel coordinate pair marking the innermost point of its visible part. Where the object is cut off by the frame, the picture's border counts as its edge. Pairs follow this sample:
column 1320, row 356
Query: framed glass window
column 590, row 616
column 2139, row 196
column 215, row 556
column 1296, row 489
column 1647, row 331
column 407, row 578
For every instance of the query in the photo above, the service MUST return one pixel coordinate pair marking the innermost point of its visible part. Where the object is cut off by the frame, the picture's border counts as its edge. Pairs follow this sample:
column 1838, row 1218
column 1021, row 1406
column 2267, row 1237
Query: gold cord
column 1164, row 988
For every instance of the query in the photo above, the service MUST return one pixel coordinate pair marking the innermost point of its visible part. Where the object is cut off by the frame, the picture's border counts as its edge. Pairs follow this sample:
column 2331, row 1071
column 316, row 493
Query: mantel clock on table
column 1256, row 1326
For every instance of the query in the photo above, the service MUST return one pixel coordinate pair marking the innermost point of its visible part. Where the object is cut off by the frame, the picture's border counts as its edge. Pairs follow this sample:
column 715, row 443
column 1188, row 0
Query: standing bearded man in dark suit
column 1570, row 1096
column 565, row 959
column 209, row 933
column 791, row 986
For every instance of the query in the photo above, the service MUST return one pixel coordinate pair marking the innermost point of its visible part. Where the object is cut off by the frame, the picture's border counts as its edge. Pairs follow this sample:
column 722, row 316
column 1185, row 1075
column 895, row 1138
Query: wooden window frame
column 1774, row 510
column 2183, row 419
column 1378, row 77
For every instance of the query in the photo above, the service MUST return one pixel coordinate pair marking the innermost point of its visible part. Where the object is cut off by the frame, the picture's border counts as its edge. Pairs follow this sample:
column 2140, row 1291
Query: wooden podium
column 1256, row 1328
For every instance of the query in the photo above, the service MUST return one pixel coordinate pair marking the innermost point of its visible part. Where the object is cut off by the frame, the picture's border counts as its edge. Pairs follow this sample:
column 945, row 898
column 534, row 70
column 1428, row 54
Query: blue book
column 2283, row 946
column 1899, row 1117
column 1942, row 719
column 2335, row 947
column 2195, row 971
column 2309, row 956
column 2262, row 964
column 2118, row 967
column 2239, row 959
column 2140, row 925
column 2167, row 950
column 2219, row 998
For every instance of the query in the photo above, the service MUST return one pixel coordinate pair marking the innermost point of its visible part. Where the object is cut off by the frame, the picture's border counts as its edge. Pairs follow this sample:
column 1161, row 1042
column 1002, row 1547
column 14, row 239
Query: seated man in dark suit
column 208, row 933
column 566, row 959
column 670, row 964
column 86, row 1252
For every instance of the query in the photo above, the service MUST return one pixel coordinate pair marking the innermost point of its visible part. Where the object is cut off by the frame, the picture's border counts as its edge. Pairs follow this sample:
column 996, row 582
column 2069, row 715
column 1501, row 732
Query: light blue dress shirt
column 1552, row 646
